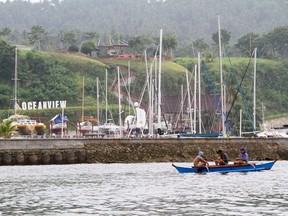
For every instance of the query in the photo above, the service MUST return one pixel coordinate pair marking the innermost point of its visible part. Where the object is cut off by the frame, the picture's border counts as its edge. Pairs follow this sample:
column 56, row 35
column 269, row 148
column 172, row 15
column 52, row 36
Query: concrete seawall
column 69, row 151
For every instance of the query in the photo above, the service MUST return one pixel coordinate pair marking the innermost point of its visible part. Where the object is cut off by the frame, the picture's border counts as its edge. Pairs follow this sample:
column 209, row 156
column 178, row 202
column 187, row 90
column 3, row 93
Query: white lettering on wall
column 33, row 105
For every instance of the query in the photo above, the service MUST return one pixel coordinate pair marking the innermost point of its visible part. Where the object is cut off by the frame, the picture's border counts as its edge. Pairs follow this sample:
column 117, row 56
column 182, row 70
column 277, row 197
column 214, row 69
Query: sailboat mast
column 221, row 79
column 254, row 91
column 119, row 102
column 150, row 117
column 129, row 88
column 240, row 126
column 15, row 83
column 62, row 122
column 97, row 92
column 199, row 94
column 155, row 96
column 82, row 114
column 106, row 95
column 159, row 81
column 189, row 102
column 182, row 103
column 195, row 99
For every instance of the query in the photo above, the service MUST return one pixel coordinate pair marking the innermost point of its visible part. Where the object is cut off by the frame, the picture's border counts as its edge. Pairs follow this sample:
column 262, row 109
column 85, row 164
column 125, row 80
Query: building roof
column 172, row 104
column 112, row 46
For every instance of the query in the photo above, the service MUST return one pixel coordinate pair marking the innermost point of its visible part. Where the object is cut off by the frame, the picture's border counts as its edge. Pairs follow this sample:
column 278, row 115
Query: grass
column 76, row 59
column 139, row 66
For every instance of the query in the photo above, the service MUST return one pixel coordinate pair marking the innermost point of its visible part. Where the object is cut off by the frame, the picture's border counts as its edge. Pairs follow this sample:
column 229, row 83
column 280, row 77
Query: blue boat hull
column 226, row 168
column 207, row 135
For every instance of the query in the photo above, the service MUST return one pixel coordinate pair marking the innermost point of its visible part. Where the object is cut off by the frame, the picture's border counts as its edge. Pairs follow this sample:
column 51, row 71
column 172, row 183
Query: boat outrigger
column 226, row 168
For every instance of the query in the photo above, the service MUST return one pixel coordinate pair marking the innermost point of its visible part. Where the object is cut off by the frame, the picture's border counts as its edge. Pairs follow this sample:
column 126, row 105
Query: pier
column 43, row 151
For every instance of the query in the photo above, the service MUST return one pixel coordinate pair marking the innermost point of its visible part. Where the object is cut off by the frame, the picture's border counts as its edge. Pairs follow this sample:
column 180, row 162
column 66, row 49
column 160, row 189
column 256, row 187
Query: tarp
column 58, row 119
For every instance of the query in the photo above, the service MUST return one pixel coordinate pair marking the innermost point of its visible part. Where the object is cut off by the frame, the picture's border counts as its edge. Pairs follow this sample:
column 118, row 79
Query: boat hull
column 40, row 129
column 207, row 135
column 226, row 168
column 57, row 128
column 25, row 129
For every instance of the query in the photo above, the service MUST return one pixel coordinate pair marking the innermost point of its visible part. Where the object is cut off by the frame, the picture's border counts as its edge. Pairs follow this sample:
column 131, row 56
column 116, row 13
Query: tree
column 80, row 37
column 169, row 43
column 225, row 37
column 88, row 47
column 200, row 45
column 247, row 43
column 5, row 32
column 6, row 128
column 91, row 36
column 73, row 48
column 139, row 43
column 5, row 94
column 7, row 61
column 278, row 41
column 69, row 39
column 36, row 36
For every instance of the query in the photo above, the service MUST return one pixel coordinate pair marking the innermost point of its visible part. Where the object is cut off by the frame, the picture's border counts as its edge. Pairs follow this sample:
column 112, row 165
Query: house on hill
column 111, row 50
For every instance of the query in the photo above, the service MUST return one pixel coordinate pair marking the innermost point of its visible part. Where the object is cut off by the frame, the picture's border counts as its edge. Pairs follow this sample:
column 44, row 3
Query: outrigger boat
column 226, row 168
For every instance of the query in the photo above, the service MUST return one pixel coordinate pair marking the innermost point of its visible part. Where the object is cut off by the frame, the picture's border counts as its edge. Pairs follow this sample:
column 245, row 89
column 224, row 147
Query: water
column 140, row 189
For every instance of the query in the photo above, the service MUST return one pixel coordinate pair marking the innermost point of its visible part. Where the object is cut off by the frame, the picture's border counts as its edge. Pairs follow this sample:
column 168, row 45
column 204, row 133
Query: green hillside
column 45, row 76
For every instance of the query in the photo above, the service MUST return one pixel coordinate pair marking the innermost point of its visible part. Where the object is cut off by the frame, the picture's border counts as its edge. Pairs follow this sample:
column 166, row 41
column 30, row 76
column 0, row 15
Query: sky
column 22, row 0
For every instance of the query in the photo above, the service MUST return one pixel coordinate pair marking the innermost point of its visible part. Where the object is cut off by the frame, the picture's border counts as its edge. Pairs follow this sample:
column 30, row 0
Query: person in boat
column 223, row 158
column 243, row 157
column 199, row 160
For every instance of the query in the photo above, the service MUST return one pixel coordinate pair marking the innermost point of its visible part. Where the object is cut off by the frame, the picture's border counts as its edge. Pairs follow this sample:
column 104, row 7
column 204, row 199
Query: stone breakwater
column 69, row 151
column 182, row 150
column 41, row 151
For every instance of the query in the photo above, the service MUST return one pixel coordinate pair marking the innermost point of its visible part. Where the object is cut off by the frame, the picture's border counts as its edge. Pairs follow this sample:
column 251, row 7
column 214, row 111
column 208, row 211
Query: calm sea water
column 140, row 189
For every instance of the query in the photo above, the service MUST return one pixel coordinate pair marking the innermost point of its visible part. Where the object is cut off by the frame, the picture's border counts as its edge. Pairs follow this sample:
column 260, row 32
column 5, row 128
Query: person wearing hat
column 223, row 158
column 243, row 157
column 199, row 160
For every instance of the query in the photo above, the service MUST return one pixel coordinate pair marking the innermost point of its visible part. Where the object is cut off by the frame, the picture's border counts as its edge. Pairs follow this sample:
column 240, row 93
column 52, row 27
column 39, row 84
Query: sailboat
column 86, row 124
column 109, row 128
column 58, row 124
column 23, row 123
column 200, row 134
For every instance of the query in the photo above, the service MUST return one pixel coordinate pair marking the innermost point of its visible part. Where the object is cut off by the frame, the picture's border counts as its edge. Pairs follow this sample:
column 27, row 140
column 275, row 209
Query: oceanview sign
column 33, row 105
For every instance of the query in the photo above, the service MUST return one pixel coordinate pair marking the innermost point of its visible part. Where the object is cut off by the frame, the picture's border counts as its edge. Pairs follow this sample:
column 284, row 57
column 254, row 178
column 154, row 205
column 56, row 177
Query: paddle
column 207, row 167
column 252, row 165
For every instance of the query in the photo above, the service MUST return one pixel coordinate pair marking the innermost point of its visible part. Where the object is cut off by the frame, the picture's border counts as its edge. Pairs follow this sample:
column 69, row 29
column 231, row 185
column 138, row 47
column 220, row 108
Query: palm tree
column 169, row 44
column 6, row 128
column 139, row 43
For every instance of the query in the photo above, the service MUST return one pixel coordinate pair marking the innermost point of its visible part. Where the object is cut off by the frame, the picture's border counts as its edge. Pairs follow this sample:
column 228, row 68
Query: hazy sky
column 22, row 0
